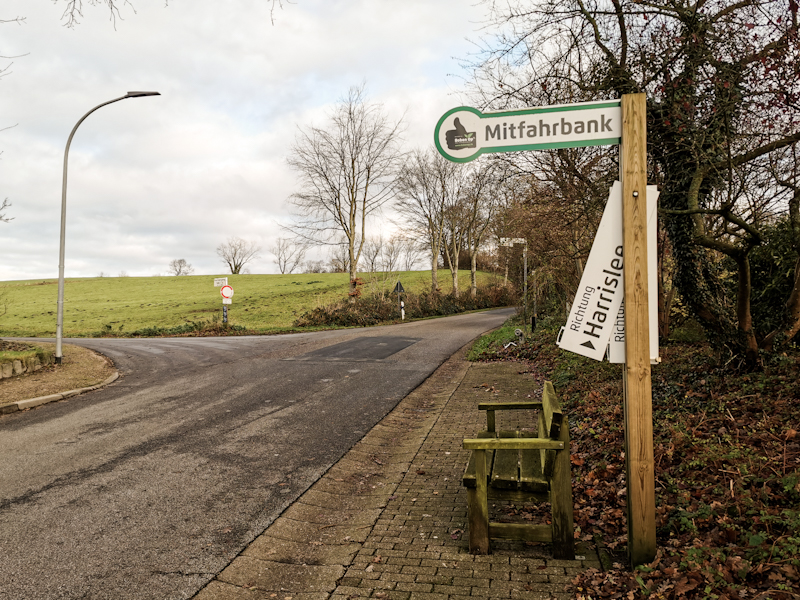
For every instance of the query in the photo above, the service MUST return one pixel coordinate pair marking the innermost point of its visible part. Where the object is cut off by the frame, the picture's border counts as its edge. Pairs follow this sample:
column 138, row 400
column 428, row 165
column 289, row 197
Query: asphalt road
column 150, row 487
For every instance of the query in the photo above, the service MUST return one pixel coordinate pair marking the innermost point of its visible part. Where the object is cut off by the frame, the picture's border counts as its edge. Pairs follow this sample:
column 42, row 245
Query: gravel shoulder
column 80, row 368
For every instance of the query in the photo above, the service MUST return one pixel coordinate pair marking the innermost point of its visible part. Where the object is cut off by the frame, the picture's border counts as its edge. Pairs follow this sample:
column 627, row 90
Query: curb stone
column 32, row 402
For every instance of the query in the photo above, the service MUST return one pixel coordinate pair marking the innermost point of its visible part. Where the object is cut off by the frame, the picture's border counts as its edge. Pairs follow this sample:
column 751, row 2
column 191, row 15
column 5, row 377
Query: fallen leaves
column 727, row 471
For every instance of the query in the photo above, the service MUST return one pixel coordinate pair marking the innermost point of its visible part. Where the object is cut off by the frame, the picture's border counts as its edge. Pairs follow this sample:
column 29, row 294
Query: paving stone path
column 389, row 519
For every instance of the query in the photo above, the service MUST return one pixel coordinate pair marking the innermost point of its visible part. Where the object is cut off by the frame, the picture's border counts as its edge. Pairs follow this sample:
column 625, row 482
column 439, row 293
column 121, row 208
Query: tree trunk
column 695, row 277
column 665, row 299
column 354, row 291
column 793, row 305
column 453, row 266
column 792, row 325
column 664, row 310
column 473, row 275
column 434, row 272
column 743, row 314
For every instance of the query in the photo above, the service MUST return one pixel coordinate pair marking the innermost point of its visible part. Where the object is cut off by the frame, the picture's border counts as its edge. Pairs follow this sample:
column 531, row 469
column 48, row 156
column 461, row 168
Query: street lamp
column 60, row 313
column 509, row 242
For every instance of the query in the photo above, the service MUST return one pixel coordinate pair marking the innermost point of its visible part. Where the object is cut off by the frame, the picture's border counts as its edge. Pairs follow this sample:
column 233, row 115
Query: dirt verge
column 80, row 368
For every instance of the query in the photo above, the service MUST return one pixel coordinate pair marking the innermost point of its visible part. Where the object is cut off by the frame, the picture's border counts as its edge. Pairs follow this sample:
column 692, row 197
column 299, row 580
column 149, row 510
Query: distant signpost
column 398, row 289
column 227, row 298
column 509, row 243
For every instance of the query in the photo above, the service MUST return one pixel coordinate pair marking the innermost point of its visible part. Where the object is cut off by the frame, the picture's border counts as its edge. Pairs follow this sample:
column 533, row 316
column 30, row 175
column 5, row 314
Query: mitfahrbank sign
column 465, row 133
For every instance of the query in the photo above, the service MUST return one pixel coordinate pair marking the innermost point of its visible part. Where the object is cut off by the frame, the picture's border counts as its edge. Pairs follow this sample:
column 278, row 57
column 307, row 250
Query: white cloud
column 152, row 179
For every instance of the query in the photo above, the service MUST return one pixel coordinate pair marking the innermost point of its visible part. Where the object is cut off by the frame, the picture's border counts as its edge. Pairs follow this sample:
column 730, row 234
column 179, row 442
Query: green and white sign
column 464, row 133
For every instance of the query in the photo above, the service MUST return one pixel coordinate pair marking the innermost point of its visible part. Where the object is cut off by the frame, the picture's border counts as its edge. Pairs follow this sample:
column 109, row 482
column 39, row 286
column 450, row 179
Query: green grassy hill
column 261, row 302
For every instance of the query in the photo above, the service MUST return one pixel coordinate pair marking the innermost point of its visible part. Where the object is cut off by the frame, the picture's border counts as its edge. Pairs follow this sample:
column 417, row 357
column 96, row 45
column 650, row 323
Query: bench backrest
column 551, row 411
column 551, row 420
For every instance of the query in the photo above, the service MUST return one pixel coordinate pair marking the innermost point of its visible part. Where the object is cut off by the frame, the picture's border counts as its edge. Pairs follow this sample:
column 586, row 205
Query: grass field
column 267, row 303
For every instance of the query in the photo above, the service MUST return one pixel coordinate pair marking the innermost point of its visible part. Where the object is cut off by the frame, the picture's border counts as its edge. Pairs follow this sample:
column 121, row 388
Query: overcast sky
column 153, row 179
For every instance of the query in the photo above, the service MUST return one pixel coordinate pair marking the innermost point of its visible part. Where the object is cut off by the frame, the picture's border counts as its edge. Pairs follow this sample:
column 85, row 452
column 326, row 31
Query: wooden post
column 561, row 502
column 478, row 507
column 638, row 393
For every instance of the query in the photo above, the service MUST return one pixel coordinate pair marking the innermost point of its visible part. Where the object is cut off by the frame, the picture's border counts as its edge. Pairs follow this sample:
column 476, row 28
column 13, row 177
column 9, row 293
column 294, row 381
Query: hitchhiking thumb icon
column 458, row 138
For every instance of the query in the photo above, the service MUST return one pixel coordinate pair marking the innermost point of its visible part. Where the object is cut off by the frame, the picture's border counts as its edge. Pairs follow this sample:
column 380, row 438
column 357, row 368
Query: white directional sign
column 596, row 322
column 465, row 133
column 600, row 292
column 220, row 281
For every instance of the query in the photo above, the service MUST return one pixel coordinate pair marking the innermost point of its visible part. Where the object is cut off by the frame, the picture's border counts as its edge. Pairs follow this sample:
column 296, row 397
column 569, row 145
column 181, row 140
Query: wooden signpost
column 463, row 134
column 640, row 472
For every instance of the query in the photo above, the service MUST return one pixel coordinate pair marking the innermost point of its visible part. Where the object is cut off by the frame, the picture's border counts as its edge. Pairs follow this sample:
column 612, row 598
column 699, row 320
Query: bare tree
column 373, row 247
column 455, row 236
column 74, row 9
column 480, row 204
column 5, row 69
column 392, row 253
column 428, row 185
column 382, row 259
column 340, row 258
column 236, row 253
column 346, row 173
column 3, row 206
column 289, row 255
column 723, row 95
column 314, row 266
column 411, row 252
column 179, row 266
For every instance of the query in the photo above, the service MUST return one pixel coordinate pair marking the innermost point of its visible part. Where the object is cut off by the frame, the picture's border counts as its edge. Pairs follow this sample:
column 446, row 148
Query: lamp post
column 60, row 308
column 509, row 242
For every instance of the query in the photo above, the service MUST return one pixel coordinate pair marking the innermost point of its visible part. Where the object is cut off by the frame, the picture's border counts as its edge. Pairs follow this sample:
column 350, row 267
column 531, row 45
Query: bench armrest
column 512, row 444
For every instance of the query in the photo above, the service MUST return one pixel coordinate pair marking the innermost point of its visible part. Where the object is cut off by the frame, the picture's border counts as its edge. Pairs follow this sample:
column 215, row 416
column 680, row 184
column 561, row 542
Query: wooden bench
column 521, row 467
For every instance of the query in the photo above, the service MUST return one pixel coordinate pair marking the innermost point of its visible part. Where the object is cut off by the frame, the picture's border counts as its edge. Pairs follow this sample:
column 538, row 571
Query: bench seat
column 521, row 466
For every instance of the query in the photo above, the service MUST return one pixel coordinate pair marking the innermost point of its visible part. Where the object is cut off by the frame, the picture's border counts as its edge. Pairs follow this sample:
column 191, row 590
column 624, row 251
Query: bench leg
column 561, row 503
column 478, row 508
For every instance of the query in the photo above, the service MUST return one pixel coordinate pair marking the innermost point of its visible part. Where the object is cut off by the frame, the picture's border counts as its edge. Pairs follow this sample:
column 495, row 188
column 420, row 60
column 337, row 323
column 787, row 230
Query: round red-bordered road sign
column 226, row 291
